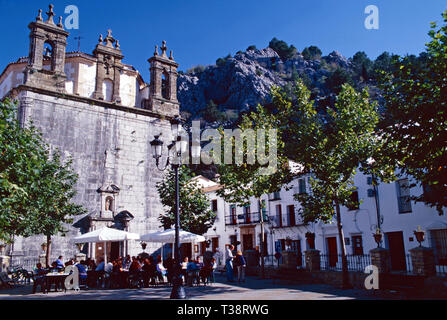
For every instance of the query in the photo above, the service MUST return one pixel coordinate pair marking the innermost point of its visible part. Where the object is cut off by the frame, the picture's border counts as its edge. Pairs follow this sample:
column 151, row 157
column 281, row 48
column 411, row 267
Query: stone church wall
column 107, row 145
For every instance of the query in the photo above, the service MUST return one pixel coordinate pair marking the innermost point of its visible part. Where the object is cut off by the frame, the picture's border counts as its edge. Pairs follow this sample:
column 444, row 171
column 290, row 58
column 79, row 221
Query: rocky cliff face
column 246, row 79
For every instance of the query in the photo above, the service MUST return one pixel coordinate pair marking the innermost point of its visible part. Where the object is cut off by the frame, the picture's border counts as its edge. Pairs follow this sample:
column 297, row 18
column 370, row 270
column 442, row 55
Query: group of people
column 234, row 263
column 194, row 270
column 131, row 271
column 124, row 272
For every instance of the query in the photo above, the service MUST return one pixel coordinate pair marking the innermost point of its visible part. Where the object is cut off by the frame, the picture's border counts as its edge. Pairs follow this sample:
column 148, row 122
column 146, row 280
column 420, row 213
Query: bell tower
column 46, row 60
column 163, row 86
column 108, row 69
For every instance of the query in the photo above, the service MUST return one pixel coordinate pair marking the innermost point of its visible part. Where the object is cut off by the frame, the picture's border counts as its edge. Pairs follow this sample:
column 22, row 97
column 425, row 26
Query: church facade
column 99, row 111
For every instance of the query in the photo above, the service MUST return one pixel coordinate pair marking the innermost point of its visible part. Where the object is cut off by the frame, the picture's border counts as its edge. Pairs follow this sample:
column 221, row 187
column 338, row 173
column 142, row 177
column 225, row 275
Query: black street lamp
column 178, row 147
column 371, row 162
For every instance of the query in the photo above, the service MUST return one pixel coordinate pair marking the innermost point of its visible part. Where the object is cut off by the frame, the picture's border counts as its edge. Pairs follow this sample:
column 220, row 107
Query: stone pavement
column 252, row 289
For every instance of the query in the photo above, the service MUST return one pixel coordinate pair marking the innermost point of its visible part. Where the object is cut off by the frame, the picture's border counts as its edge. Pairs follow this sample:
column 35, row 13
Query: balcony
column 243, row 218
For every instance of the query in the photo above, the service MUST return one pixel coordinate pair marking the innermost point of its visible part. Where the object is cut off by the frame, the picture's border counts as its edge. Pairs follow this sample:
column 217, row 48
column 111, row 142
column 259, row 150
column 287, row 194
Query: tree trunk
column 261, row 219
column 344, row 260
column 47, row 255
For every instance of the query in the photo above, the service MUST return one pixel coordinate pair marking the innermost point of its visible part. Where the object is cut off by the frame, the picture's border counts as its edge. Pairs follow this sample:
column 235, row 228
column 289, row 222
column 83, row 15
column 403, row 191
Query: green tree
column 196, row 215
column 331, row 148
column 312, row 53
column 252, row 179
column 222, row 61
column 52, row 198
column 337, row 78
column 362, row 65
column 415, row 93
column 36, row 188
column 21, row 151
column 282, row 49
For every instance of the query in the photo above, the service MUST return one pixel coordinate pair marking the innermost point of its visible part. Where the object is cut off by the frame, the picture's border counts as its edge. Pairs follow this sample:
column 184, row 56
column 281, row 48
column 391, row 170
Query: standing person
column 240, row 264
column 229, row 262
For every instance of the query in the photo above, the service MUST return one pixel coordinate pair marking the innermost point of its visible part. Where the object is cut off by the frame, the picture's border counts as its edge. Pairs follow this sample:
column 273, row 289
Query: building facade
column 284, row 229
column 99, row 111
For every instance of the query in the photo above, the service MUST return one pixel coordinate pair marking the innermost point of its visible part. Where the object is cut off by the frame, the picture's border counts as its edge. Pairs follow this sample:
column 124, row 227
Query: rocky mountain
column 237, row 83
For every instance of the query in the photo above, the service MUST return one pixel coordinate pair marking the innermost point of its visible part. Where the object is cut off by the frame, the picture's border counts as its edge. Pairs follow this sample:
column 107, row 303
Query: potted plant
column 378, row 237
column 310, row 238
column 420, row 235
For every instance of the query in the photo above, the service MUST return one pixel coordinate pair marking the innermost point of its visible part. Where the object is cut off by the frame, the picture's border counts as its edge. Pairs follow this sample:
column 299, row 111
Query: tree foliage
column 311, row 53
column 282, row 49
column 415, row 93
column 196, row 215
column 36, row 187
column 331, row 148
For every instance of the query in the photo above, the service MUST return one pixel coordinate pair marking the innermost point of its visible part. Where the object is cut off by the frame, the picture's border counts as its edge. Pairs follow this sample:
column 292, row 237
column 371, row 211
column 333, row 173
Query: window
column 439, row 244
column 215, row 243
column 275, row 196
column 165, row 85
column 403, row 195
column 301, row 186
column 247, row 215
column 357, row 245
column 354, row 201
column 233, row 214
column 214, row 205
column 291, row 214
column 278, row 216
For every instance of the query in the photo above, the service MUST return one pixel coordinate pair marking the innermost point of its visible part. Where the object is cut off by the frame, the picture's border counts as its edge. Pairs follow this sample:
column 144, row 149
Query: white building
column 398, row 219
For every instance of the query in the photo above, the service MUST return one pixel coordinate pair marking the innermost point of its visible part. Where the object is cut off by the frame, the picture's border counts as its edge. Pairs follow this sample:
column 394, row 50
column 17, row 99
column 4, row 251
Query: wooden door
column 247, row 242
column 397, row 250
column 332, row 251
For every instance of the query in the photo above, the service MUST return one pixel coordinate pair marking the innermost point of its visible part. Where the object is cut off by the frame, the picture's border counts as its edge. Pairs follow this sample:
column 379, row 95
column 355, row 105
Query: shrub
column 312, row 53
column 282, row 49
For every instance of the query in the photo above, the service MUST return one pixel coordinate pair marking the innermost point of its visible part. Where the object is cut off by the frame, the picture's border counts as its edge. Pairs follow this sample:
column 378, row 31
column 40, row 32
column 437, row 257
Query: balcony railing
column 245, row 218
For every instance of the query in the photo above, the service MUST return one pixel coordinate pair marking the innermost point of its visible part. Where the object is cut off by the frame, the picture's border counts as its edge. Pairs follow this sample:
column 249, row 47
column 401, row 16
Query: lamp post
column 176, row 148
column 371, row 163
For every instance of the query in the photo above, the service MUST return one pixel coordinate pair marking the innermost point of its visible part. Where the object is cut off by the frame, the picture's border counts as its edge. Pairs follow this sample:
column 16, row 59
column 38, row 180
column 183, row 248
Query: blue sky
column 200, row 31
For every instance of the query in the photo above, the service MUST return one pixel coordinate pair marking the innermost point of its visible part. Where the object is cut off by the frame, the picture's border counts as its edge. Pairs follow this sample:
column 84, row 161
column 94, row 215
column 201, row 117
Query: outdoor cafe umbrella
column 168, row 236
column 105, row 235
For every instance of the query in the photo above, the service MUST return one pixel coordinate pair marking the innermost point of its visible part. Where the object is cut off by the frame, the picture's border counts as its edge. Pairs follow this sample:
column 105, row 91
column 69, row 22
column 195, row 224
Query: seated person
column 82, row 271
column 59, row 264
column 192, row 272
column 148, row 272
column 100, row 266
column 161, row 270
column 108, row 268
column 39, row 277
column 135, row 265
column 116, row 277
column 127, row 262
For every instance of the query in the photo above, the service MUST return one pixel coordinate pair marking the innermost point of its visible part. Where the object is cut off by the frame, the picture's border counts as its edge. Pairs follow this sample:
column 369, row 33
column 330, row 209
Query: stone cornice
column 93, row 102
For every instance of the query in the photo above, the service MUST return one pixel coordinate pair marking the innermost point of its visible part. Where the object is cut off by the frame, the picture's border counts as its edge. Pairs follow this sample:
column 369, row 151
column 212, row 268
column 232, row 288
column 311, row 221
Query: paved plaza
column 252, row 289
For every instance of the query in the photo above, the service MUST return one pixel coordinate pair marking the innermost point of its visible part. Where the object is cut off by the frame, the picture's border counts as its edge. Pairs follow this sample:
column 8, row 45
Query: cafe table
column 56, row 278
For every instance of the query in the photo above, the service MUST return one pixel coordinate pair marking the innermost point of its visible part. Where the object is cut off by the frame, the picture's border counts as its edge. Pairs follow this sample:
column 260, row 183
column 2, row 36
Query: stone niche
column 109, row 194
